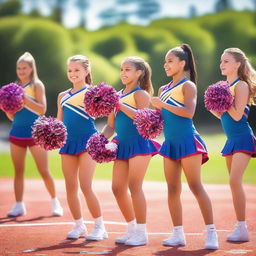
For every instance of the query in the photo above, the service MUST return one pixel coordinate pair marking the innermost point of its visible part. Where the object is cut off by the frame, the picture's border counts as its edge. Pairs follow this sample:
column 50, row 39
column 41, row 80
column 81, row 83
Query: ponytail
column 184, row 52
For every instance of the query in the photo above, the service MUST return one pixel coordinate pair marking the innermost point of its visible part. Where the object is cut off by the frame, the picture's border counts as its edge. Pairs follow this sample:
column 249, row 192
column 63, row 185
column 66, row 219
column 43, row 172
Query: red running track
column 40, row 234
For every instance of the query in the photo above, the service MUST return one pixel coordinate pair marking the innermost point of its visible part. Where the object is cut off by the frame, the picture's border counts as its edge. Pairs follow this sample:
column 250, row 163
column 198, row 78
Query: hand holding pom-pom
column 100, row 149
column 100, row 100
column 149, row 122
column 49, row 133
column 218, row 97
column 11, row 98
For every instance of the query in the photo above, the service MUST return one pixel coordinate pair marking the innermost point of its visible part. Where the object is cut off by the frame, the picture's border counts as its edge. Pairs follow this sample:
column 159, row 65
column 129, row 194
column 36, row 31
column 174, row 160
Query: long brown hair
column 245, row 71
column 144, row 80
column 184, row 52
column 84, row 61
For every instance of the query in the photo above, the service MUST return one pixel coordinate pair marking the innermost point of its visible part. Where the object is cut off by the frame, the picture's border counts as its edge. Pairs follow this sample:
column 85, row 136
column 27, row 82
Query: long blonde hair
column 144, row 80
column 245, row 71
column 29, row 59
column 84, row 61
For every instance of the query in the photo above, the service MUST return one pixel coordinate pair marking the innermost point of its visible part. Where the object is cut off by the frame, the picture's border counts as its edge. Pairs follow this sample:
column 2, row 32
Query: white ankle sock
column 210, row 227
column 241, row 223
column 19, row 203
column 141, row 227
column 99, row 221
column 178, row 229
column 131, row 225
column 79, row 222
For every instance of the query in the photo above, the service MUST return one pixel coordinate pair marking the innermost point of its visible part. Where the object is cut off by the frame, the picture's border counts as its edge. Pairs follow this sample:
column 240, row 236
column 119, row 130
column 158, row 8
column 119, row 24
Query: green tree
column 222, row 5
column 10, row 8
column 82, row 6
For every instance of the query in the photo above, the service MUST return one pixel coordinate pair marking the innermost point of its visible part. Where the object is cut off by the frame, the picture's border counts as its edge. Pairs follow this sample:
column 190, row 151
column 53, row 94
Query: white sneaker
column 18, row 209
column 77, row 232
column 123, row 239
column 211, row 241
column 137, row 238
column 99, row 233
column 176, row 239
column 240, row 234
column 57, row 210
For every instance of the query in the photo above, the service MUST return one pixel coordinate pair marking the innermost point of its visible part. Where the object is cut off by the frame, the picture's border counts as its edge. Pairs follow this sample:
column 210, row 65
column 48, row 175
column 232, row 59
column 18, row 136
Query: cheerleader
column 77, row 165
column 241, row 143
column 183, row 147
column 20, row 136
column 134, row 152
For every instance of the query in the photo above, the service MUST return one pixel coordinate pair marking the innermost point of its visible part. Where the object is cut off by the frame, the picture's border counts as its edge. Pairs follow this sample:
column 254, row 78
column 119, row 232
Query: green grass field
column 214, row 171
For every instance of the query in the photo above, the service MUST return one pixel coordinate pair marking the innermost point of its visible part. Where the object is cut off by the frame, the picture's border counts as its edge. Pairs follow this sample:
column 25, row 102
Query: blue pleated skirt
column 75, row 145
column 135, row 146
column 245, row 144
column 178, row 148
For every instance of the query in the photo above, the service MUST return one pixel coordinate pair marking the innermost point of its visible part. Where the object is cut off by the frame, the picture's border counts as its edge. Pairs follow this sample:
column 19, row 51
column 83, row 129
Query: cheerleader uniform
column 130, row 142
column 239, row 134
column 21, row 131
column 181, row 138
column 80, row 126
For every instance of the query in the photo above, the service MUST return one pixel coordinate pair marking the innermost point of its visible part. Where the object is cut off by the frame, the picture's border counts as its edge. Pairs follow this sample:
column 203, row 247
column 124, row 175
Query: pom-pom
column 149, row 122
column 11, row 98
column 49, row 133
column 100, row 149
column 100, row 100
column 218, row 97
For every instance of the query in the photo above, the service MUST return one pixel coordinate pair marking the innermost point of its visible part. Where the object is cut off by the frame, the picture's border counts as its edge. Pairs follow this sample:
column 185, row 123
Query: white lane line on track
column 57, row 223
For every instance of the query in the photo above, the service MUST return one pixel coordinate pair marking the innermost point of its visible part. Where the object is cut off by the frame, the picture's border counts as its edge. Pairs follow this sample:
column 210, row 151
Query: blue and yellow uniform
column 239, row 134
column 80, row 126
column 130, row 142
column 181, row 138
column 21, row 130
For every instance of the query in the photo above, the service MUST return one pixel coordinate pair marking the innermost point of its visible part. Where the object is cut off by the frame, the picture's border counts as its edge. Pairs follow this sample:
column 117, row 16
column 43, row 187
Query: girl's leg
column 237, row 165
column 41, row 159
column 120, row 191
column 70, row 171
column 18, row 155
column 18, row 158
column 86, row 171
column 192, row 169
column 137, row 168
column 172, row 170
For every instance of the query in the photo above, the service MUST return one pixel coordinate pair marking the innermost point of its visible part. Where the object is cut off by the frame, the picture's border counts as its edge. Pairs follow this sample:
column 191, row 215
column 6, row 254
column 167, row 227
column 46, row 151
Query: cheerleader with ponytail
column 241, row 143
column 134, row 152
column 183, row 147
column 20, row 137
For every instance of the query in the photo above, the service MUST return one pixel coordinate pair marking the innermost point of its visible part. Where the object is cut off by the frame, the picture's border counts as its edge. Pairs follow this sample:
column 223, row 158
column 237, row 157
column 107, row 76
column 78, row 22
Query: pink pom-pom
column 149, row 122
column 49, row 133
column 11, row 98
column 100, row 100
column 218, row 97
column 100, row 149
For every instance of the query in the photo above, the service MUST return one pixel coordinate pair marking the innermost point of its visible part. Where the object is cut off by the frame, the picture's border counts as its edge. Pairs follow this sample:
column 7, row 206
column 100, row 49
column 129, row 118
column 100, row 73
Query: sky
column 169, row 8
